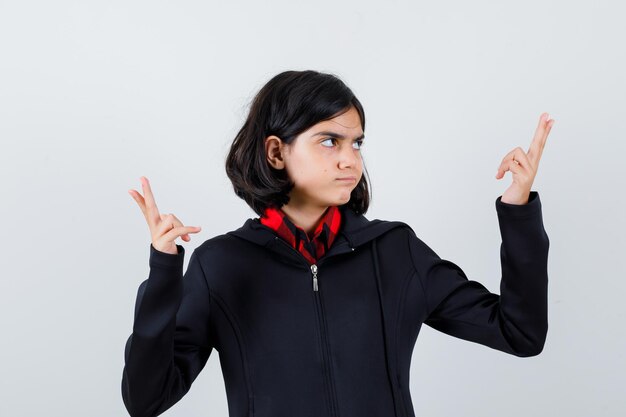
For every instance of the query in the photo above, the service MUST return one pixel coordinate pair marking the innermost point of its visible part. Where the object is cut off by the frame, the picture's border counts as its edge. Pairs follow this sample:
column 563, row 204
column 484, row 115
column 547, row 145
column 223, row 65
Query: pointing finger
column 152, row 211
column 139, row 199
column 541, row 134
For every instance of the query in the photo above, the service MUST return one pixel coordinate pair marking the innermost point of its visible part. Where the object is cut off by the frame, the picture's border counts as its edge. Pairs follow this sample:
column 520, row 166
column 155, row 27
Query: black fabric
column 344, row 350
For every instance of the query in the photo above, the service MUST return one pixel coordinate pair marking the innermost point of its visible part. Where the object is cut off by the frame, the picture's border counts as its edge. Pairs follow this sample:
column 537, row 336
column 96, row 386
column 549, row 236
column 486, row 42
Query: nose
column 347, row 157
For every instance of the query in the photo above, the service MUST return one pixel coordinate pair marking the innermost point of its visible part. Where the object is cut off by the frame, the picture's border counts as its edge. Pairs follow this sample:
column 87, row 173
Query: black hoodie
column 342, row 348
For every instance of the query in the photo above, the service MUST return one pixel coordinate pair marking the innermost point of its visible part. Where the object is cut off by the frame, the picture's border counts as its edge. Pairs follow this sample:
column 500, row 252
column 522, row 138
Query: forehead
column 348, row 124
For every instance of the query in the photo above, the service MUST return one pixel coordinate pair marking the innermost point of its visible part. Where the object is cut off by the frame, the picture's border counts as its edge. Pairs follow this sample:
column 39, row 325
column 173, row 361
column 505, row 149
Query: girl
column 314, row 308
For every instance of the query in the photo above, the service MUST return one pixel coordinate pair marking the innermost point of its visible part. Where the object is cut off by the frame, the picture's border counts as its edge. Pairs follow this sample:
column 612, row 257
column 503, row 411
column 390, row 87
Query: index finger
column 152, row 211
column 541, row 134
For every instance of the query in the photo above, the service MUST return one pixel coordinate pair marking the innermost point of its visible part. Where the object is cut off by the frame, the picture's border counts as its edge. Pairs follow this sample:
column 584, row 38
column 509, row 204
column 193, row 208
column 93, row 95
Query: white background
column 94, row 95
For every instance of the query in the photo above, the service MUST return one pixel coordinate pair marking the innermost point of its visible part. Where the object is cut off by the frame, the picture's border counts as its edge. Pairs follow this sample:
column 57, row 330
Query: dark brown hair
column 287, row 105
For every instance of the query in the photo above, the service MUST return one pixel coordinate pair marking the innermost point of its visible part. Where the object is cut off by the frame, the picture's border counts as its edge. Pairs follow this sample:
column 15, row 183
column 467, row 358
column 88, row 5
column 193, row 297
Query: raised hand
column 164, row 228
column 524, row 165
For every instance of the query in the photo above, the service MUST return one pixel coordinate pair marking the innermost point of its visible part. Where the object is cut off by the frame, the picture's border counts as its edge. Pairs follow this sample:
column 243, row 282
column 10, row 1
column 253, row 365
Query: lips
column 347, row 179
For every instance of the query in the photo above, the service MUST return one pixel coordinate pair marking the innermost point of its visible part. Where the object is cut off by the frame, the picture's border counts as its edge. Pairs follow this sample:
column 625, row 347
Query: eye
column 327, row 139
column 359, row 142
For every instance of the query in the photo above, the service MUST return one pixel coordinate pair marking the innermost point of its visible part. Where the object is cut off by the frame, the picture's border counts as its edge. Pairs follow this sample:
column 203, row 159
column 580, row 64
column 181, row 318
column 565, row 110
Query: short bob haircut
column 287, row 105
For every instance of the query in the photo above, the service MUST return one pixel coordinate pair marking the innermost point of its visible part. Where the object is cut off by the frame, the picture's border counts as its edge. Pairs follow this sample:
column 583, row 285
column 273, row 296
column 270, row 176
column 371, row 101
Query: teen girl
column 313, row 308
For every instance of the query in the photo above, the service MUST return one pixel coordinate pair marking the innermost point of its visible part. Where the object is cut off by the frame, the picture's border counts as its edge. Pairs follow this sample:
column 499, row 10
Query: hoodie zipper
column 314, row 269
column 325, row 345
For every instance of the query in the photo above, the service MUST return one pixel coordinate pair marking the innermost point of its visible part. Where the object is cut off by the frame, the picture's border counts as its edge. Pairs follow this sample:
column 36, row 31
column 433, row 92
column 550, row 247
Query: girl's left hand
column 523, row 165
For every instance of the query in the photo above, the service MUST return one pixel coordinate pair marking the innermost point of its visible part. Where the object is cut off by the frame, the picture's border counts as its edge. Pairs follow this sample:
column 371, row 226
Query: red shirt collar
column 323, row 237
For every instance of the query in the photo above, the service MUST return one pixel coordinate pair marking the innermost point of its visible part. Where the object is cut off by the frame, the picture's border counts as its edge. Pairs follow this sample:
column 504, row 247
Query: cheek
column 307, row 172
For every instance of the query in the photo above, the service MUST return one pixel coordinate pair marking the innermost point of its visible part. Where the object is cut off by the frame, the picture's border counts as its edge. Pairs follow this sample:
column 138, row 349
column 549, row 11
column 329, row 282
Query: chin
column 338, row 200
column 341, row 201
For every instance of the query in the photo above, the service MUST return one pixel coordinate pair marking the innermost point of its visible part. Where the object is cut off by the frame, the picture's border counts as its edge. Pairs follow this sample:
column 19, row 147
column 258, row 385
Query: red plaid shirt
column 323, row 237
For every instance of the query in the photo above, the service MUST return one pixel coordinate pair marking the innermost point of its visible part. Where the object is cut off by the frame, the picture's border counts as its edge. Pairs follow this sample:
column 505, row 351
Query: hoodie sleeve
column 170, row 342
column 516, row 321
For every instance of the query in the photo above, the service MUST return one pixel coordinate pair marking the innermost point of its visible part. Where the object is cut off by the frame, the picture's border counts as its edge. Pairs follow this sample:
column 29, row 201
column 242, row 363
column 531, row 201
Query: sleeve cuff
column 519, row 210
column 167, row 260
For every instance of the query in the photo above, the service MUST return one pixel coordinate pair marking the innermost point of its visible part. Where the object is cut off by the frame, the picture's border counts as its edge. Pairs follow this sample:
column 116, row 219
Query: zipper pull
column 314, row 270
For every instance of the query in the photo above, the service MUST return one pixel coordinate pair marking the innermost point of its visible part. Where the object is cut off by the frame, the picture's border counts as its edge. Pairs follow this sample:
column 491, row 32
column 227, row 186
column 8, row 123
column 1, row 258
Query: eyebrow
column 337, row 135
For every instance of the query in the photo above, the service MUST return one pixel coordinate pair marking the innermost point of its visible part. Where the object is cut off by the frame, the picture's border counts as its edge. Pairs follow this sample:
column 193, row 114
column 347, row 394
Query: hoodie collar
column 314, row 247
column 356, row 230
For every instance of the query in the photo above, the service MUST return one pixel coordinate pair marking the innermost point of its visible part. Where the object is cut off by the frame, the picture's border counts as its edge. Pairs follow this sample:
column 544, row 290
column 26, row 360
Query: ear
column 275, row 152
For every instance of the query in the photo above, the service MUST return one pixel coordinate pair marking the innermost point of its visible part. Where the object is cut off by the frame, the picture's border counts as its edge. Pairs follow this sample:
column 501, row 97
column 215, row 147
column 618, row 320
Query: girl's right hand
column 164, row 228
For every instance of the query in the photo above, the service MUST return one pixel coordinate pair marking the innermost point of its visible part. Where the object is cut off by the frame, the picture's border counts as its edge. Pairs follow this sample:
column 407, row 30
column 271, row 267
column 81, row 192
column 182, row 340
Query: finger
column 514, row 166
column 177, row 229
column 547, row 129
column 178, row 223
column 139, row 199
column 180, row 231
column 170, row 222
column 152, row 211
column 521, row 158
column 504, row 163
column 173, row 222
column 541, row 133
column 518, row 157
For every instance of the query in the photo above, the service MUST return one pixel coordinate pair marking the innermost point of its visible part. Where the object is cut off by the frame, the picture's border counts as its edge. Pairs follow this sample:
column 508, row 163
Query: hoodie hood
column 355, row 230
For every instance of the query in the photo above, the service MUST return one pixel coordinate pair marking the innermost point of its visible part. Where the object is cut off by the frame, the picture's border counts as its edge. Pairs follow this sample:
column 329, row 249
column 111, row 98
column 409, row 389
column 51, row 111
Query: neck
column 305, row 217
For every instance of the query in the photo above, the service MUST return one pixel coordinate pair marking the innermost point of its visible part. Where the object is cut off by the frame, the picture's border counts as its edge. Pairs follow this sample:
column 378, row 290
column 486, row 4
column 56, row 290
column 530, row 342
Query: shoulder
column 216, row 244
column 400, row 234
column 217, row 251
column 403, row 236
column 392, row 229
